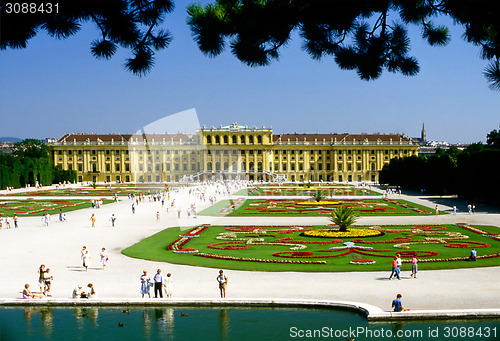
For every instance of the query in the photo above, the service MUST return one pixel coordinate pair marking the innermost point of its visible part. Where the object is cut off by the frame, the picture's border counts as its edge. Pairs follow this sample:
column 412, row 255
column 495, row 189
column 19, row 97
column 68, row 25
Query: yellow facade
column 231, row 152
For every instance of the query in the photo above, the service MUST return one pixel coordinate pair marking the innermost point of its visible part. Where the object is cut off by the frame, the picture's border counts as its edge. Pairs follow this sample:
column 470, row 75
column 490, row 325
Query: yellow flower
column 351, row 233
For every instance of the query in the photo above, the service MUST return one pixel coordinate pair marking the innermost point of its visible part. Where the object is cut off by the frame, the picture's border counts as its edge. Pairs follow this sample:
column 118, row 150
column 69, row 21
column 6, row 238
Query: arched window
column 217, row 166
column 209, row 139
column 243, row 166
column 250, row 166
column 226, row 165
column 217, row 139
column 235, row 139
column 373, row 166
column 250, row 139
column 235, row 166
column 259, row 139
column 242, row 138
column 209, row 166
column 259, row 166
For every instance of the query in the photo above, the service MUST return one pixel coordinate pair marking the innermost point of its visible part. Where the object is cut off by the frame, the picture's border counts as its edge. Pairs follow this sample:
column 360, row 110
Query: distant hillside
column 10, row 139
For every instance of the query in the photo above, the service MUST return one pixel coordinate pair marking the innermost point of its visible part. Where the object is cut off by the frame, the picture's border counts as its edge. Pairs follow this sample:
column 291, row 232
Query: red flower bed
column 260, row 260
column 466, row 245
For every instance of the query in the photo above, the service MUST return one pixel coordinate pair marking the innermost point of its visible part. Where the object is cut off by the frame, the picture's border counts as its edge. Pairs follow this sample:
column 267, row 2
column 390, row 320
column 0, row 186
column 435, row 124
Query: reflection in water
column 224, row 325
column 209, row 324
column 47, row 318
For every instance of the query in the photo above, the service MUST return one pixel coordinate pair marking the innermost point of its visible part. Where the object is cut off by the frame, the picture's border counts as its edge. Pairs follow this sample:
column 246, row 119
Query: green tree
column 344, row 217
column 362, row 35
column 31, row 148
column 493, row 139
column 130, row 24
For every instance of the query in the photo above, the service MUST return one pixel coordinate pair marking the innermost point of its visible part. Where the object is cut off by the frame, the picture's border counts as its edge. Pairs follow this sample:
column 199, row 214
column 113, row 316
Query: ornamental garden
column 107, row 191
column 322, row 248
column 302, row 207
column 327, row 191
column 41, row 207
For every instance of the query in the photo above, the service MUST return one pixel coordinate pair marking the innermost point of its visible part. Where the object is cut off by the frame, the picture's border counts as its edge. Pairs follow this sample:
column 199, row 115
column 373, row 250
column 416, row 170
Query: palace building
column 229, row 152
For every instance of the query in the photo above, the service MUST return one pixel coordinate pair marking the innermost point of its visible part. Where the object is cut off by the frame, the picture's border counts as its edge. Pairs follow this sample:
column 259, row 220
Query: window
column 320, row 166
column 284, row 167
column 176, row 167
column 168, row 166
column 276, row 166
column 209, row 139
column 234, row 139
column 327, row 166
column 185, row 167
column 107, row 152
column 242, row 139
column 217, row 139
column 127, row 167
column 108, row 167
column 250, row 139
column 250, row 166
column 80, row 167
column 259, row 139
column 301, row 166
column 292, row 167
column 93, row 152
column 312, row 166
column 339, row 168
column 372, row 166
column 226, row 140
column 349, row 166
column 217, row 166
column 259, row 166
column 359, row 166
column 157, row 168
column 209, row 166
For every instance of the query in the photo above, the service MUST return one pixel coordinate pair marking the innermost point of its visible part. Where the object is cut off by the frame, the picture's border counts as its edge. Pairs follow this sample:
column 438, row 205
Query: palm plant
column 318, row 195
column 344, row 217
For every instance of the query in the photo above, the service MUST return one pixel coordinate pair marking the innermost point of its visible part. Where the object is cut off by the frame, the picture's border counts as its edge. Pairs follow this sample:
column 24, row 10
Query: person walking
column 395, row 271
column 222, row 279
column 104, row 258
column 158, row 279
column 41, row 278
column 15, row 221
column 86, row 259
column 92, row 219
column 113, row 219
column 414, row 267
column 454, row 210
column 133, row 208
column 145, row 283
column 48, row 282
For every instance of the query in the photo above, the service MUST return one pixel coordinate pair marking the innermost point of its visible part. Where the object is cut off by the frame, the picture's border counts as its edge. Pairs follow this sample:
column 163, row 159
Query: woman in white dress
column 169, row 284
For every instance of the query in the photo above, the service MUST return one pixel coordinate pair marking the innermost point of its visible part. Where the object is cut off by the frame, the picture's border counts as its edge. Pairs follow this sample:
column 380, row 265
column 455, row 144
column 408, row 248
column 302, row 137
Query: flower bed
column 334, row 233
column 362, row 261
column 259, row 260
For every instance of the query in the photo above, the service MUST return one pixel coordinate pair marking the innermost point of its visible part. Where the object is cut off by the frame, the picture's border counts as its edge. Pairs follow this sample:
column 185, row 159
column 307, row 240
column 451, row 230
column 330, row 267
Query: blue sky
column 56, row 86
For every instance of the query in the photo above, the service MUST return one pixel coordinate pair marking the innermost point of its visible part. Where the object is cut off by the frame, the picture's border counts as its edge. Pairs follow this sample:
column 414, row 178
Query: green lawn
column 293, row 207
column 41, row 207
column 155, row 248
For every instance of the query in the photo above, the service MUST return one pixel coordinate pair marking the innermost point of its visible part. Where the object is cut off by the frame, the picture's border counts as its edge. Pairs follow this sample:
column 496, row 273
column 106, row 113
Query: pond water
column 225, row 323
